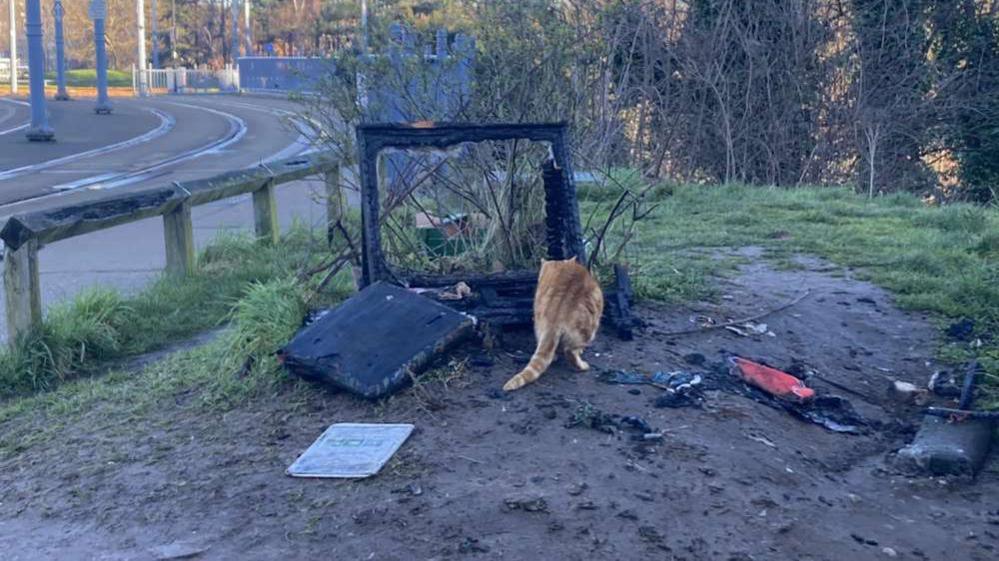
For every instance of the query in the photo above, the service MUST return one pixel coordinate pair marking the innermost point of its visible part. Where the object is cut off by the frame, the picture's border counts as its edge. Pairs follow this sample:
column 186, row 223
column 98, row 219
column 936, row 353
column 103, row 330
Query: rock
column 945, row 448
column 628, row 515
column 904, row 392
column 650, row 534
column 889, row 552
column 529, row 505
column 177, row 550
column 472, row 545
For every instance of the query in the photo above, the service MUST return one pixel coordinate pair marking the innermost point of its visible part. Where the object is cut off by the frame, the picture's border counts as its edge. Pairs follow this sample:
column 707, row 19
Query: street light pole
column 40, row 130
column 98, row 12
column 140, row 16
column 173, row 30
column 12, row 13
column 61, row 94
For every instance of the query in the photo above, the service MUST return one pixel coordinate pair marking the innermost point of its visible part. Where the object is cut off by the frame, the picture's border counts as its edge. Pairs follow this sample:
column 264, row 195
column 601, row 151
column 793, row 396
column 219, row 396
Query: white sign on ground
column 98, row 9
column 351, row 450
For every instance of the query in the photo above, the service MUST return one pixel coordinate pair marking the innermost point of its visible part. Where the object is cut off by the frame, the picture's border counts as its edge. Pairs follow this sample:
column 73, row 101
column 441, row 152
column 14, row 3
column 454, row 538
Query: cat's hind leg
column 574, row 358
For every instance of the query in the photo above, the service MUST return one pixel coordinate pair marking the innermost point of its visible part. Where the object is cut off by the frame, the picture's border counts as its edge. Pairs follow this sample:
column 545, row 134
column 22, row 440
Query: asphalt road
column 144, row 143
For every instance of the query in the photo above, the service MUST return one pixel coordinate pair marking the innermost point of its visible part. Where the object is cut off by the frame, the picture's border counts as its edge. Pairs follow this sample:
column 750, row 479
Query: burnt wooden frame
column 563, row 228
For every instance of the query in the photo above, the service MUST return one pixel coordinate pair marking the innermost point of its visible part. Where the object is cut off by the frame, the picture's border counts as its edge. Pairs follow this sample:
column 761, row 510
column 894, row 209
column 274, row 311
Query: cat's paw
column 582, row 365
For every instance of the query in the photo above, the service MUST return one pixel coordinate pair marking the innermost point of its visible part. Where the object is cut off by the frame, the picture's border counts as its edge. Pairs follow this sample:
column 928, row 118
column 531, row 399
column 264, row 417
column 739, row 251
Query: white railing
column 188, row 80
column 22, row 71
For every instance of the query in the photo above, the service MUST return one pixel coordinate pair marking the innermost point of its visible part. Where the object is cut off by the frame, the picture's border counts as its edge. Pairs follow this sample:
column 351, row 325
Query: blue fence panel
column 281, row 73
column 437, row 90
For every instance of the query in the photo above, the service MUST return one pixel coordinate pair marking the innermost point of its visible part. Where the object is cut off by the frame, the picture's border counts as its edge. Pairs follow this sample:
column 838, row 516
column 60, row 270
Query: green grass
column 942, row 260
column 87, row 77
column 80, row 336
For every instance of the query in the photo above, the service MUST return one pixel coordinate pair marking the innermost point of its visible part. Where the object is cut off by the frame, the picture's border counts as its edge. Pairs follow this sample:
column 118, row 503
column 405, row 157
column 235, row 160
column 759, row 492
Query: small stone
column 889, row 552
column 530, row 505
column 904, row 392
column 177, row 550
column 627, row 515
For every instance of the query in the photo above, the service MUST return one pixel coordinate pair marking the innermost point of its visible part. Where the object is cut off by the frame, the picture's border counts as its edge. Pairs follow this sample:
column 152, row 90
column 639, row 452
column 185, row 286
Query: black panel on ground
column 369, row 343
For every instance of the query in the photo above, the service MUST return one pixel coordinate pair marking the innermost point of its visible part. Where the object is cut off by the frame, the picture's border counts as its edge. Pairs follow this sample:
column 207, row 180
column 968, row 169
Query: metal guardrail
column 25, row 234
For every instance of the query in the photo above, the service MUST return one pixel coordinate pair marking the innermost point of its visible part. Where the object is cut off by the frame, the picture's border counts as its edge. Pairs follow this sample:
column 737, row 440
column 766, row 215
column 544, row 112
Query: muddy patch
column 539, row 472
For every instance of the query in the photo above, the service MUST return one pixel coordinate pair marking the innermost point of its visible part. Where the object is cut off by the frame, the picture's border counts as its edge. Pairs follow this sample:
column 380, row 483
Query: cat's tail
column 540, row 361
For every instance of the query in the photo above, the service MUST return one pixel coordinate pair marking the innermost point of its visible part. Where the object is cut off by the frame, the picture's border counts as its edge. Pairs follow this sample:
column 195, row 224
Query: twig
column 948, row 412
column 337, row 265
column 738, row 321
column 594, row 257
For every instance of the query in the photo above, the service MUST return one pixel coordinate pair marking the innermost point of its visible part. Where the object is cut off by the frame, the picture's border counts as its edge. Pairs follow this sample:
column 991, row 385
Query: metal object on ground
column 952, row 441
column 959, row 413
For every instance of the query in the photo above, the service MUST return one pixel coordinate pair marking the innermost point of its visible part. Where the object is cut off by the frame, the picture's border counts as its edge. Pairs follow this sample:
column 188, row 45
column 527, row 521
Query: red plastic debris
column 772, row 381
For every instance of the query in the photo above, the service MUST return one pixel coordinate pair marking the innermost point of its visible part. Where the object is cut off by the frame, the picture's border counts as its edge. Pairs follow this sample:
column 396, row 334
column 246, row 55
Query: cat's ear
column 574, row 259
column 543, row 261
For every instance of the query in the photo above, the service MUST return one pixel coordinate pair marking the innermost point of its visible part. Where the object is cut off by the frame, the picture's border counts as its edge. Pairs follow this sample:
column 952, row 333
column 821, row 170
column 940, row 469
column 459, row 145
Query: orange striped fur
column 567, row 308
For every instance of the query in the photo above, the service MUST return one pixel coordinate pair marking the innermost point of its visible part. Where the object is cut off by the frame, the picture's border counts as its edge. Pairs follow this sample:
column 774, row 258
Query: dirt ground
column 487, row 477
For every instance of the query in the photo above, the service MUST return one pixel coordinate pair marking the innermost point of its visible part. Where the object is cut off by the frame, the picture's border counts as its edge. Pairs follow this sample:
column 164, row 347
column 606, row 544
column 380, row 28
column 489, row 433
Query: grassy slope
column 100, row 324
column 944, row 260
column 87, row 77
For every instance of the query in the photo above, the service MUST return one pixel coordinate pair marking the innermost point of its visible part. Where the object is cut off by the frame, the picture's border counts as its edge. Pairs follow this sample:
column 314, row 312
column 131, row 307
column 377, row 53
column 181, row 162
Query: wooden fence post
column 23, row 290
column 265, row 218
column 178, row 233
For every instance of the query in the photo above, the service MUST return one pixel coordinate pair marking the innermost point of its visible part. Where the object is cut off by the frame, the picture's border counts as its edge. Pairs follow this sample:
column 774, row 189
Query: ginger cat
column 567, row 308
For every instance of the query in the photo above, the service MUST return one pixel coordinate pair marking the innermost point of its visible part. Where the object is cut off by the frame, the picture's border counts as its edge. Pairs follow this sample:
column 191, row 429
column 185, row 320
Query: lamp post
column 61, row 94
column 40, row 130
column 140, row 16
column 12, row 14
column 98, row 13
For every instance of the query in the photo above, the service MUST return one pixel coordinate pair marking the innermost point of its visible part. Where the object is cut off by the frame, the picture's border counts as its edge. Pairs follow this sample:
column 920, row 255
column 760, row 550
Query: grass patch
column 77, row 338
column 238, row 365
column 87, row 77
column 939, row 260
